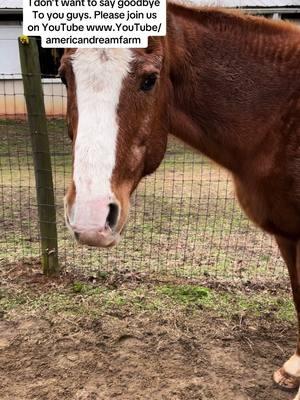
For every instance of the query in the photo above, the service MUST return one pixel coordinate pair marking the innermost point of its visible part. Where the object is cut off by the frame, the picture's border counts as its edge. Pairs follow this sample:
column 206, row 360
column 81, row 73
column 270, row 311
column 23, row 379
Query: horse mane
column 226, row 18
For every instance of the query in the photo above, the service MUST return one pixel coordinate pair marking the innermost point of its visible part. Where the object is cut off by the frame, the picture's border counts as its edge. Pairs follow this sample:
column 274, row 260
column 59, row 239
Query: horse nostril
column 76, row 234
column 113, row 215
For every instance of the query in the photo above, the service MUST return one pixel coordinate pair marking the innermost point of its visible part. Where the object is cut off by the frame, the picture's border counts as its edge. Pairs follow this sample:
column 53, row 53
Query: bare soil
column 129, row 354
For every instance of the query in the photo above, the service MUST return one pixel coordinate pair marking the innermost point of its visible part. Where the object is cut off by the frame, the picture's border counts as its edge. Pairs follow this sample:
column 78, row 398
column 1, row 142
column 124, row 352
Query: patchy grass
column 124, row 326
column 25, row 291
column 186, row 294
column 184, row 219
column 10, row 300
column 232, row 304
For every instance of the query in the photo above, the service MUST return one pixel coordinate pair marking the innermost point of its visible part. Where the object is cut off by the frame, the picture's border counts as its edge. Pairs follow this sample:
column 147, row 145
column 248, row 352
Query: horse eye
column 148, row 82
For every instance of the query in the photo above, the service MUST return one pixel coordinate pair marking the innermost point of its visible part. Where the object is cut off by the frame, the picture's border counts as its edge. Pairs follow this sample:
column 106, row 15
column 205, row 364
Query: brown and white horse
column 225, row 83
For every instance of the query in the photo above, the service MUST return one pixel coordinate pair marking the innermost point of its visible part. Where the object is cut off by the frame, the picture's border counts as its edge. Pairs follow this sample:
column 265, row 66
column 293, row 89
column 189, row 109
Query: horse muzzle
column 104, row 238
column 94, row 223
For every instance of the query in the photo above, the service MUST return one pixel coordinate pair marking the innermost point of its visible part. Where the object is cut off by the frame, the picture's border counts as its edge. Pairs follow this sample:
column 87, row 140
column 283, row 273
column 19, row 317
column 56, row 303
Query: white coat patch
column 99, row 74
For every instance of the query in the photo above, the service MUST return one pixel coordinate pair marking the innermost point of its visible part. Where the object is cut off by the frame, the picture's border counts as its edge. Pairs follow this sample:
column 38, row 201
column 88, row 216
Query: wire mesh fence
column 184, row 220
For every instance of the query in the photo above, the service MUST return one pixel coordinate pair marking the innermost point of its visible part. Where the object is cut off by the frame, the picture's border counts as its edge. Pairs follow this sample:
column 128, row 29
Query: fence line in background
column 184, row 219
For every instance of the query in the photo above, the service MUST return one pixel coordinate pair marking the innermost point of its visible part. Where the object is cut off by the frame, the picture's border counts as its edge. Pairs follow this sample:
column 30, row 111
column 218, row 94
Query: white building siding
column 11, row 89
column 11, row 3
column 9, row 60
column 12, row 101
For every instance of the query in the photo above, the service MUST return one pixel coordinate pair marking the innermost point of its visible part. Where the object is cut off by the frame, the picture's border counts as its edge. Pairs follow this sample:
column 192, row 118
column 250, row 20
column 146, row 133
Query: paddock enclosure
column 193, row 303
column 184, row 219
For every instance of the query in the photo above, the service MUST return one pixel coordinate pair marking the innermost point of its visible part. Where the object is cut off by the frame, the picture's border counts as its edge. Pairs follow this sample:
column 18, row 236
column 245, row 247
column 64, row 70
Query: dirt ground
column 138, row 358
column 51, row 350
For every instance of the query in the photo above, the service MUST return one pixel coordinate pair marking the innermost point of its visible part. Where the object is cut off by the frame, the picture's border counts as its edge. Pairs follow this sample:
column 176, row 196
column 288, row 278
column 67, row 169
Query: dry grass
column 184, row 219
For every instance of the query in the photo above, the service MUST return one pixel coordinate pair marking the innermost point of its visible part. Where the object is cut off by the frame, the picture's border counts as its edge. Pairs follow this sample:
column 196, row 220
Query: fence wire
column 184, row 219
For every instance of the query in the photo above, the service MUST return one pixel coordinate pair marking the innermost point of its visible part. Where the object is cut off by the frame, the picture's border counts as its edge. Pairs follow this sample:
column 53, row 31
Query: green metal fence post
column 33, row 92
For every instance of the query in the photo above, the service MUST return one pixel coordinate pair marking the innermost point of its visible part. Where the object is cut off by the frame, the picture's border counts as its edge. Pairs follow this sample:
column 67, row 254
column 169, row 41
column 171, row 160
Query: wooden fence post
column 33, row 92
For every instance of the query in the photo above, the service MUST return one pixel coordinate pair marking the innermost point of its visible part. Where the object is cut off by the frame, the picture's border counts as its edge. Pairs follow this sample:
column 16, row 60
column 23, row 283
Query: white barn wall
column 9, row 60
column 11, row 3
column 12, row 101
column 11, row 90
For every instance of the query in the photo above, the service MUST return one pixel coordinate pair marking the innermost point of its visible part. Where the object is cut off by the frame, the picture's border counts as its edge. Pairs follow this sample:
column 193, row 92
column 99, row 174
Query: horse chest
column 270, row 209
column 252, row 202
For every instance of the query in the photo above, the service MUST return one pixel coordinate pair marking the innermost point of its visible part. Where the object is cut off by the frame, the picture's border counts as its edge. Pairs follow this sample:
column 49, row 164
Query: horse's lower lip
column 104, row 238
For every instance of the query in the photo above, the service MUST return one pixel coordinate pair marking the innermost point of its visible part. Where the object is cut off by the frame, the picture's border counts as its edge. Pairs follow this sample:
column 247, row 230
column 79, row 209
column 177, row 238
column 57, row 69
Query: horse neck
column 220, row 82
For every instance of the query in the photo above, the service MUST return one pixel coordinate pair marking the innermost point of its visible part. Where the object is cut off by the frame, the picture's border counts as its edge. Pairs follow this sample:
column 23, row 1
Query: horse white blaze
column 98, row 75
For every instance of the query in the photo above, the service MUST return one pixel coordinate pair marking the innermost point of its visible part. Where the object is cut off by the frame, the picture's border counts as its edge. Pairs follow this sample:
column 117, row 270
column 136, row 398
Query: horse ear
column 154, row 44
